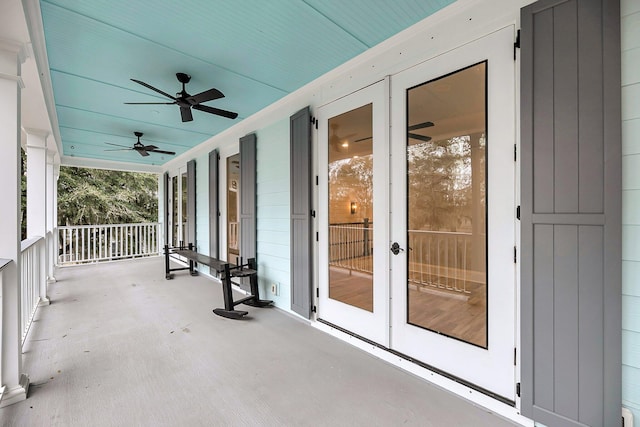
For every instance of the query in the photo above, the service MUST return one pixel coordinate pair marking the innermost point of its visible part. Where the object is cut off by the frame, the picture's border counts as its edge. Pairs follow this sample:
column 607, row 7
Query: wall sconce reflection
column 354, row 207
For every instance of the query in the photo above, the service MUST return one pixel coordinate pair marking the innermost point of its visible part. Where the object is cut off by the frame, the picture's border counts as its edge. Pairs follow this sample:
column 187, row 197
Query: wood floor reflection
column 462, row 315
column 351, row 287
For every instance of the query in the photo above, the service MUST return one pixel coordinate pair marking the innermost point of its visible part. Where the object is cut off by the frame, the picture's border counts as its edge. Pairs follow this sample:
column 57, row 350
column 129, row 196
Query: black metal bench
column 227, row 271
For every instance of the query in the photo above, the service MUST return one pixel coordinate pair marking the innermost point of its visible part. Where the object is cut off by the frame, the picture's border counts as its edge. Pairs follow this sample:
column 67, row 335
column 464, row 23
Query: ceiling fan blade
column 149, row 147
column 419, row 137
column 207, row 95
column 118, row 145
column 142, row 152
column 163, row 152
column 420, row 126
column 363, row 139
column 217, row 111
column 150, row 103
column 185, row 112
column 153, row 88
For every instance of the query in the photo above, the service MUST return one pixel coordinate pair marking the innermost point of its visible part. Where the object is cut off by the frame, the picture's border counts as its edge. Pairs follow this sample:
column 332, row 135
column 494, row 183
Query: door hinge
column 317, row 292
column 518, row 213
column 316, row 179
column 317, row 237
column 314, row 122
column 313, row 214
column 314, row 309
column 516, row 45
column 515, row 355
column 515, row 152
column 515, row 255
column 518, row 389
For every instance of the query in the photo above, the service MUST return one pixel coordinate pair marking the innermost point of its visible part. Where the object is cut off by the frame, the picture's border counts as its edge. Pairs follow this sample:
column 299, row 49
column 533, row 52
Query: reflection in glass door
column 233, row 208
column 446, row 205
column 353, row 155
column 351, row 208
column 174, row 212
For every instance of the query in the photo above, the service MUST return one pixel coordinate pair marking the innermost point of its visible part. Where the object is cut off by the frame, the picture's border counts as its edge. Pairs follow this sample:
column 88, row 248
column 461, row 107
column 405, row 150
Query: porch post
column 52, row 230
column 15, row 384
column 37, row 199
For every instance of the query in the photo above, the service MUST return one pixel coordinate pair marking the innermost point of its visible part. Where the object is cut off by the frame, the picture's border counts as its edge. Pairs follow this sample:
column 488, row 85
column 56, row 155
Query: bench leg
column 255, row 290
column 227, row 293
column 167, row 270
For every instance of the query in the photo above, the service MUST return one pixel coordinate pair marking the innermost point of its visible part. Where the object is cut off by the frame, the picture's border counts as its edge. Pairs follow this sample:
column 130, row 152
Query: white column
column 37, row 200
column 36, row 182
column 52, row 230
column 15, row 383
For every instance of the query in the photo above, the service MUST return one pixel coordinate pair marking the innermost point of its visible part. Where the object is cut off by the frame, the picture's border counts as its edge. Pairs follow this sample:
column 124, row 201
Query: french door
column 453, row 213
column 354, row 162
column 417, row 225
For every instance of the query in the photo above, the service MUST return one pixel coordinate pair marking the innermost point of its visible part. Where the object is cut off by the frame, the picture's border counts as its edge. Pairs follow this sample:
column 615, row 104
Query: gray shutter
column 301, row 262
column 213, row 204
column 571, row 212
column 191, row 203
column 166, row 209
column 248, row 197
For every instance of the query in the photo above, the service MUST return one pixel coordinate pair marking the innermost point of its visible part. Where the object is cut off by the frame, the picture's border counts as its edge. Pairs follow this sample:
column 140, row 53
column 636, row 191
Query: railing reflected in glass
column 350, row 176
column 447, row 207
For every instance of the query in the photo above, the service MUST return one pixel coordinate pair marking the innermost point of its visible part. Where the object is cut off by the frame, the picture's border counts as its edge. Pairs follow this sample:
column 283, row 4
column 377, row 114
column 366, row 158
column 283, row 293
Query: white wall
column 630, row 11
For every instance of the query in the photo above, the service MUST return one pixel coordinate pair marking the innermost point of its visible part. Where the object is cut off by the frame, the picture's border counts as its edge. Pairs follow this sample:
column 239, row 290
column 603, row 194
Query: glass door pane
column 185, row 218
column 233, row 207
column 446, row 212
column 174, row 211
column 350, row 177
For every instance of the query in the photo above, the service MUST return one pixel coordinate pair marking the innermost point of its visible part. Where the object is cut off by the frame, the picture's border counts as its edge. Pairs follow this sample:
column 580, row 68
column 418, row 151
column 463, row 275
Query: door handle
column 396, row 249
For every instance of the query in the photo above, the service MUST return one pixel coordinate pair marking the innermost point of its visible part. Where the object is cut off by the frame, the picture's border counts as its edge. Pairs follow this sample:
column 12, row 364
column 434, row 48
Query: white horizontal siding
column 273, row 212
column 630, row 31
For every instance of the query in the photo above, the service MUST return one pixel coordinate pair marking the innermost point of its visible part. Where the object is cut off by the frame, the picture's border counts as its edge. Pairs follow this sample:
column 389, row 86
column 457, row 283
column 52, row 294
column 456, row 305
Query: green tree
column 96, row 196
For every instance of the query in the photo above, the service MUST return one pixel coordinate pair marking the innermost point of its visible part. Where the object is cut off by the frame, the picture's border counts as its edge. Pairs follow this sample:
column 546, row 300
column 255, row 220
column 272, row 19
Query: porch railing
column 444, row 260
column 437, row 260
column 351, row 245
column 32, row 277
column 93, row 243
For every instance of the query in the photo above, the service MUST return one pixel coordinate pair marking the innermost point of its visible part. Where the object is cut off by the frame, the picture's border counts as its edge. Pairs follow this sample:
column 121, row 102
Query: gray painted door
column 214, row 215
column 571, row 214
column 248, row 197
column 301, row 262
column 191, row 202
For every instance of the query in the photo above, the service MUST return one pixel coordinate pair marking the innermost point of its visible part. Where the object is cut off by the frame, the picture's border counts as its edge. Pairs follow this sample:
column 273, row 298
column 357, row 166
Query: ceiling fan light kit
column 186, row 101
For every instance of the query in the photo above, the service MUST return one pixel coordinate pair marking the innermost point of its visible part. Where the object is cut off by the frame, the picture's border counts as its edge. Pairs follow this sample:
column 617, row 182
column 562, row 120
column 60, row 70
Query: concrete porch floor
column 121, row 346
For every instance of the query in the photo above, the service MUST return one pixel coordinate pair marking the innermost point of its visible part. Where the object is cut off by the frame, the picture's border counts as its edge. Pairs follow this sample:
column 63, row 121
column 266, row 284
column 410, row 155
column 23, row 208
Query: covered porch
column 120, row 345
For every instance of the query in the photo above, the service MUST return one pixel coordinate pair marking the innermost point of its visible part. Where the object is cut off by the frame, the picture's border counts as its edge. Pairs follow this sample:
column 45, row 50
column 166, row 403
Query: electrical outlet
column 274, row 289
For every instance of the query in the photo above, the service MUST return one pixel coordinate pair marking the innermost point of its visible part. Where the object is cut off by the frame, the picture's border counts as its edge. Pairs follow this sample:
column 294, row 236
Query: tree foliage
column 96, row 196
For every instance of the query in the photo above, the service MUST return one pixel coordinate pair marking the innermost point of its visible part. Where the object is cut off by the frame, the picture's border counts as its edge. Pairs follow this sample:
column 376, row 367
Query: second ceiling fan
column 186, row 101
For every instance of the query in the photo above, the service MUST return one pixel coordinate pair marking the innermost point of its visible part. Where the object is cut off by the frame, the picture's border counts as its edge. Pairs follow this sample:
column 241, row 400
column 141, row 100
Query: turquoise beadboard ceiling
column 254, row 51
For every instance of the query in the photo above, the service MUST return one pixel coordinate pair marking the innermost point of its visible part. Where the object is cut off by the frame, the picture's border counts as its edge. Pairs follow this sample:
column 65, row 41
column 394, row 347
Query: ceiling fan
column 410, row 134
column 142, row 149
column 186, row 101
column 417, row 136
column 339, row 142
